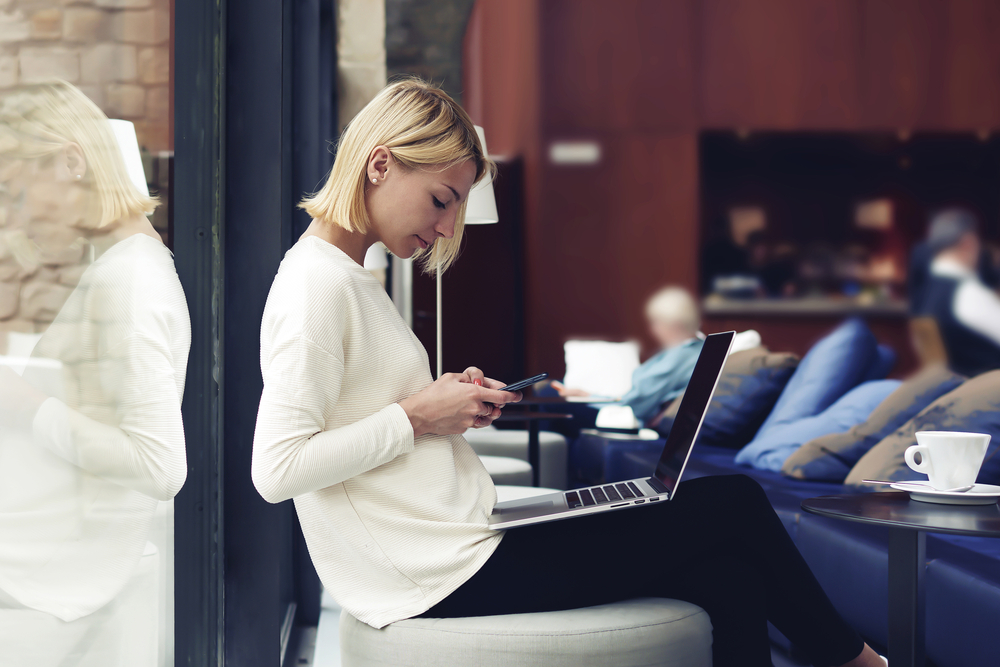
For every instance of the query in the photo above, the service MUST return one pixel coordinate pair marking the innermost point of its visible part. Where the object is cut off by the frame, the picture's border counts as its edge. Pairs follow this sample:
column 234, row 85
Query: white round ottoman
column 507, row 471
column 649, row 632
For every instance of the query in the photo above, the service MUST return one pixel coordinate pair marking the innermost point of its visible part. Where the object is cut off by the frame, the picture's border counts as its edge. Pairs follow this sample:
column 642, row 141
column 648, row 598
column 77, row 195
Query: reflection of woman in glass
column 394, row 503
column 91, row 435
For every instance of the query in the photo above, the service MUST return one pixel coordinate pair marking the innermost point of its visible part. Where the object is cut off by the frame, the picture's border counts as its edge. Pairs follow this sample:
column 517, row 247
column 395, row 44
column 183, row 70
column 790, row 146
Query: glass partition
column 94, row 335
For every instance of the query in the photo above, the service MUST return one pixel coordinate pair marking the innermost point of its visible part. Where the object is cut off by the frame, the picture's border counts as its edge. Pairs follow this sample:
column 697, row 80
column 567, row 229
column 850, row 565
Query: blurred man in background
column 953, row 293
column 674, row 320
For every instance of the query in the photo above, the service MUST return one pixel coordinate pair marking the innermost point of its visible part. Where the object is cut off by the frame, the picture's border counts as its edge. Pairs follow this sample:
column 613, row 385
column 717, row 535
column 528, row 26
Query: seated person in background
column 919, row 272
column 966, row 310
column 673, row 321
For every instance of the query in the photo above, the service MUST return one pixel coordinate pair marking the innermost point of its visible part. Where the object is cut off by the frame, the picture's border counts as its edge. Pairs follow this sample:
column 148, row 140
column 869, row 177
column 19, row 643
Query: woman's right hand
column 453, row 404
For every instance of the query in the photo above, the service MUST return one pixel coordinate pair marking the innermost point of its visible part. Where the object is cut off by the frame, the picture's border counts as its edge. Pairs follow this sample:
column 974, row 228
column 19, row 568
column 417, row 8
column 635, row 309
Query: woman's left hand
column 476, row 376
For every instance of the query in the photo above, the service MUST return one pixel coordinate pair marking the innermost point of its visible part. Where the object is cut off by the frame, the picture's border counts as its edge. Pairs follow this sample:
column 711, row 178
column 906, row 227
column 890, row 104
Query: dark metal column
column 907, row 564
column 199, row 76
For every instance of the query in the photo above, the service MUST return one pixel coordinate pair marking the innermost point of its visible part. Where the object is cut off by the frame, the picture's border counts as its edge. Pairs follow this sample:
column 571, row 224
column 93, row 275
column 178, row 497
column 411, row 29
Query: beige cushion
column 649, row 632
column 812, row 460
column 748, row 388
column 974, row 406
column 505, row 470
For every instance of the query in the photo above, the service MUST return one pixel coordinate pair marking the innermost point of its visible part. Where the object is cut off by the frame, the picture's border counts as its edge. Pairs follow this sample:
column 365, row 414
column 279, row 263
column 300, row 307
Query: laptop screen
column 693, row 407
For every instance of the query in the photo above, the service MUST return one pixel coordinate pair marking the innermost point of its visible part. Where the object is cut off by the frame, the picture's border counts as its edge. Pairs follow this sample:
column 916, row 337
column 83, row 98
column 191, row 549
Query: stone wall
column 117, row 52
column 424, row 37
column 360, row 55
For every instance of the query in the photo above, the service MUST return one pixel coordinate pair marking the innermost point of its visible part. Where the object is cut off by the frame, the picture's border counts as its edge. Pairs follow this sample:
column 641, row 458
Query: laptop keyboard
column 600, row 495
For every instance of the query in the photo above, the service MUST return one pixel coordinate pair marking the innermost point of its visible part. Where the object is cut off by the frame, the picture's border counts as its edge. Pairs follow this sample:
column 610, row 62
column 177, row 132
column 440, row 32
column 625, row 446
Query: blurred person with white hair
column 674, row 320
column 966, row 310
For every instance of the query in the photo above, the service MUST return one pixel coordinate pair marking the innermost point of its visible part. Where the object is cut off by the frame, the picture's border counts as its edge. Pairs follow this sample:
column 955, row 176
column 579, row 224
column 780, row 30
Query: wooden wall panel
column 643, row 77
column 608, row 236
column 902, row 79
column 972, row 61
column 628, row 65
column 780, row 64
column 500, row 74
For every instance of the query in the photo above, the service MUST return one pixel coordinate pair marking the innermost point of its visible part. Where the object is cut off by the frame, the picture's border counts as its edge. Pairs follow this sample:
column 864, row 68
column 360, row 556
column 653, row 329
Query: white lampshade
column 129, row 145
column 376, row 258
column 482, row 206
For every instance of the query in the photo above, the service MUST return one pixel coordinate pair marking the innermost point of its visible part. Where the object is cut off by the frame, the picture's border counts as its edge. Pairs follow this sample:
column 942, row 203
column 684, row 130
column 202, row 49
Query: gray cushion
column 750, row 384
column 648, row 632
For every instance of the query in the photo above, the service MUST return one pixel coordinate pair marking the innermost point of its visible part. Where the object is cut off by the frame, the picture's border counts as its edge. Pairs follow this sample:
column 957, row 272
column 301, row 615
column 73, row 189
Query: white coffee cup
column 949, row 459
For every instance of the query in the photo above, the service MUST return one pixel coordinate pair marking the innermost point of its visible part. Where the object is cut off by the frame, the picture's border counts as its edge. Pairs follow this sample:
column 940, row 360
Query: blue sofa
column 850, row 560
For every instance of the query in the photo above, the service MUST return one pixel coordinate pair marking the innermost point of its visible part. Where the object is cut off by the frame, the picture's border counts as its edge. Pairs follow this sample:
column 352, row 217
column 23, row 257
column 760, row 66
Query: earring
column 79, row 176
column 375, row 181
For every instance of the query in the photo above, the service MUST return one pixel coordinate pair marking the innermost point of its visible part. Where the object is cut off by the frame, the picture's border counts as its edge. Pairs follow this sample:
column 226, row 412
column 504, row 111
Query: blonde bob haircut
column 423, row 128
column 39, row 120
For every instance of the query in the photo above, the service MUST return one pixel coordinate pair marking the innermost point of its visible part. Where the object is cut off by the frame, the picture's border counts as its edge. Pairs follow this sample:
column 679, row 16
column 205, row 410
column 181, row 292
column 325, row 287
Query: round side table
column 909, row 521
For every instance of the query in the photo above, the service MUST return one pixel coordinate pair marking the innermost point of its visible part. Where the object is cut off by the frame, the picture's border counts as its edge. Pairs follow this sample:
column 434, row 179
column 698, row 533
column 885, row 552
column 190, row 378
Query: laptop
column 669, row 470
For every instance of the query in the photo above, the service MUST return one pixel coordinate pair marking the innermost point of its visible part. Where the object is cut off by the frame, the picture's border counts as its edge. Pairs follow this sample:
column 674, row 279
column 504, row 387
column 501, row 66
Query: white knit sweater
column 78, row 495
column 393, row 524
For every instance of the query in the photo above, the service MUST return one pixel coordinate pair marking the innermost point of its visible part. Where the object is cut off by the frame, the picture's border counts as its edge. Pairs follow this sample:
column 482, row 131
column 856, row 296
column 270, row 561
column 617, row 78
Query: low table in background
column 909, row 521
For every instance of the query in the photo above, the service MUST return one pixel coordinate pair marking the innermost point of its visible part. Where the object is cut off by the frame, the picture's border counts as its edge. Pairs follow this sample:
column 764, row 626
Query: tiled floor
column 328, row 635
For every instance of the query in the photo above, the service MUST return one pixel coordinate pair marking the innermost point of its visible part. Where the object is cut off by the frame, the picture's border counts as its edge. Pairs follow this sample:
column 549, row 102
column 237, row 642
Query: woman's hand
column 457, row 402
column 565, row 391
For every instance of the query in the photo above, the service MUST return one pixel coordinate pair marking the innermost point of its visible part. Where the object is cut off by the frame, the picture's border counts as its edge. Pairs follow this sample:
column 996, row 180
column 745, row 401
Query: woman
column 393, row 501
column 91, row 437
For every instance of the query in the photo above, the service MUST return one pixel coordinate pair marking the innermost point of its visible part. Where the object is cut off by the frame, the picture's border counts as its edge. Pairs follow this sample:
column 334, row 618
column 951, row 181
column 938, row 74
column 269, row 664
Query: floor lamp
column 481, row 210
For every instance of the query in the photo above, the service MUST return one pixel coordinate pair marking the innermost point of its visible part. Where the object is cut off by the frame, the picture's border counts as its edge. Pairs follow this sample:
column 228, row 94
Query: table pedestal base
column 907, row 563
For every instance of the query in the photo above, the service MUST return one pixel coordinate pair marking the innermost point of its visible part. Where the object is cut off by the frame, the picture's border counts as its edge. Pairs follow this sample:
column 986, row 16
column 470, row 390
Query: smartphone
column 527, row 382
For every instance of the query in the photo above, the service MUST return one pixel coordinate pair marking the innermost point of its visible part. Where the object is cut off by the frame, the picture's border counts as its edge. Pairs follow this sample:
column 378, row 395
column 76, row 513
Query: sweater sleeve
column 139, row 441
column 293, row 452
column 978, row 307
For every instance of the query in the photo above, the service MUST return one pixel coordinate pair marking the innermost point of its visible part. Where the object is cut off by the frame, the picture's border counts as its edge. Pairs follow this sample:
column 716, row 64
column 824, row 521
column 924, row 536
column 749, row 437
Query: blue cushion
column 769, row 450
column 831, row 457
column 884, row 365
column 837, row 363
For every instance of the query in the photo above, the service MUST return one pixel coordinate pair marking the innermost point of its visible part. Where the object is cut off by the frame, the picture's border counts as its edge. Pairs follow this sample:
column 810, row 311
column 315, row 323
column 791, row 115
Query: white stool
column 552, row 451
column 507, row 471
column 649, row 632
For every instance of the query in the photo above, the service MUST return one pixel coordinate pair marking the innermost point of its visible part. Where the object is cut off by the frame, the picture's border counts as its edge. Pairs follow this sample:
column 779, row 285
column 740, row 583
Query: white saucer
column 980, row 494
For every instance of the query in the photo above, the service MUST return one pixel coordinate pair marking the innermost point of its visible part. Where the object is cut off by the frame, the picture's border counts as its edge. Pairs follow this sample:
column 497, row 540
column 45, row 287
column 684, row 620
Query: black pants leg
column 717, row 544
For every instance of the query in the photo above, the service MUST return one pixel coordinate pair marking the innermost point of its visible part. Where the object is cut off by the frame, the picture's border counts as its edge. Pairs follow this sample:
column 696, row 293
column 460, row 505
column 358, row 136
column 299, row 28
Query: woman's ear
column 378, row 164
column 71, row 165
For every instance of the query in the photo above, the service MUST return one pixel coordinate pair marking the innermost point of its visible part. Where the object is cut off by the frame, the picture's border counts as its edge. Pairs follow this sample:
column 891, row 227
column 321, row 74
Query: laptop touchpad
column 528, row 509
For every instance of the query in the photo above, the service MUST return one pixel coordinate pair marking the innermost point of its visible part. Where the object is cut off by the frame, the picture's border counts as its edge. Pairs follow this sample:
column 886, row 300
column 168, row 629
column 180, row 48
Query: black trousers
column 717, row 544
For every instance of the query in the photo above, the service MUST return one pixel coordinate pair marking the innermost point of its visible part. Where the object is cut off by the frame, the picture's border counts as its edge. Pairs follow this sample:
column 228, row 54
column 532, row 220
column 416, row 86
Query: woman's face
column 45, row 200
column 411, row 208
